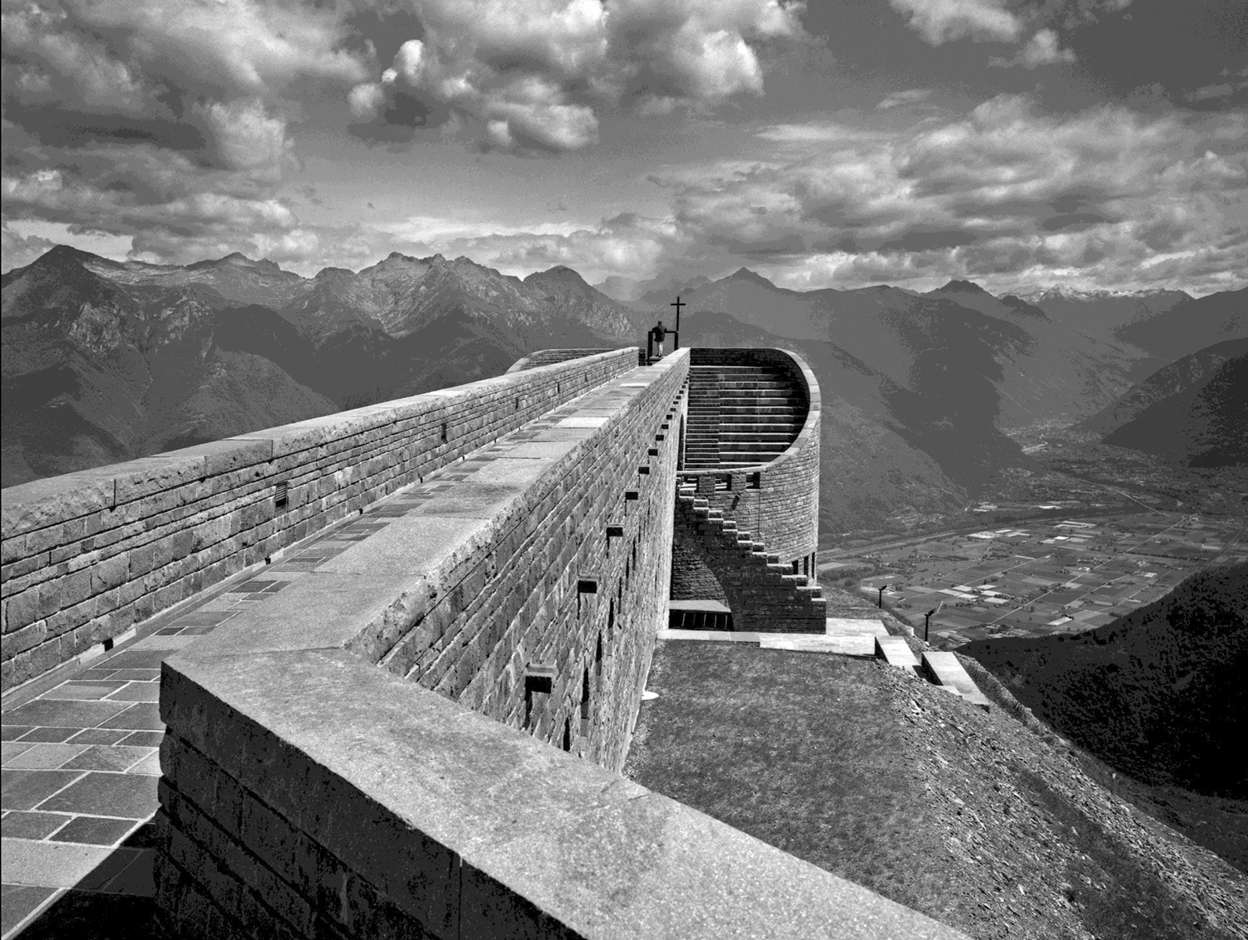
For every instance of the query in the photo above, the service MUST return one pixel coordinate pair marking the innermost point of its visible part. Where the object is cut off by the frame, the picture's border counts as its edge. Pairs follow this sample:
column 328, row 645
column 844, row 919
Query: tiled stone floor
column 80, row 756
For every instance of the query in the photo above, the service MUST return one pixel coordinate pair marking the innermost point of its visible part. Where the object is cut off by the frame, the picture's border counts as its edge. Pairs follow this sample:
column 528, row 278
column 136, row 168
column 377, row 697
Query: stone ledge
column 575, row 849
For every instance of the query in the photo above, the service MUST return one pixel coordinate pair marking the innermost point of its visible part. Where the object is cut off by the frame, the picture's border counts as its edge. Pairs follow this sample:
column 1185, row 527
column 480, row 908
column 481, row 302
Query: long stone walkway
column 80, row 750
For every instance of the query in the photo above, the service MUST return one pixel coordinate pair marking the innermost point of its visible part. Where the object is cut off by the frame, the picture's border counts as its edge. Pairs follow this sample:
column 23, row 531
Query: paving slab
column 140, row 716
column 107, row 757
column 846, row 626
column 44, row 756
column 94, row 830
column 861, row 646
column 48, row 864
column 26, row 789
column 17, row 902
column 64, row 714
column 24, row 824
column 103, row 793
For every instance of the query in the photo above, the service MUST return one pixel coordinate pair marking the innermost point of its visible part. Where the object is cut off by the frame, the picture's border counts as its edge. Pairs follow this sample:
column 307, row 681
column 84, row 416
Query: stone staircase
column 755, row 579
column 740, row 415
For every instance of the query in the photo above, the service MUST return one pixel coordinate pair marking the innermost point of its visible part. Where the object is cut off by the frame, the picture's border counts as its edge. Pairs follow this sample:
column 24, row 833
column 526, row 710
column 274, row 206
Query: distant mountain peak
column 235, row 259
column 745, row 274
column 65, row 254
column 559, row 274
column 966, row 287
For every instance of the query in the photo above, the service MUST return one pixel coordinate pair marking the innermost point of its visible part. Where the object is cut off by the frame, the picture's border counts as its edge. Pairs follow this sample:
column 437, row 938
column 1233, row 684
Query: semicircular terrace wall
column 776, row 500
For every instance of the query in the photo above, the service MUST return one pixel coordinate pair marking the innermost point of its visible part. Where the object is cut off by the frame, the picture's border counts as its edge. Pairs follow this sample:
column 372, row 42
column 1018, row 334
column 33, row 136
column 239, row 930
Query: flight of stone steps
column 758, row 579
column 740, row 415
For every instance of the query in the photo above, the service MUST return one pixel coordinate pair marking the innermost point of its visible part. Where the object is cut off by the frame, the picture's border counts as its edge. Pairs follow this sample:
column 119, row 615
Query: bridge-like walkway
column 81, row 745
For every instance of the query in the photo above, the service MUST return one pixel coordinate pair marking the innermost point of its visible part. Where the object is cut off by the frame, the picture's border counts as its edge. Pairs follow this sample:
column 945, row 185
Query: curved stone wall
column 776, row 501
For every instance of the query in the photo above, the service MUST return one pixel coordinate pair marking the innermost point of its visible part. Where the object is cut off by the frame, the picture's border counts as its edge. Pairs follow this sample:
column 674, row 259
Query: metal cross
column 678, row 304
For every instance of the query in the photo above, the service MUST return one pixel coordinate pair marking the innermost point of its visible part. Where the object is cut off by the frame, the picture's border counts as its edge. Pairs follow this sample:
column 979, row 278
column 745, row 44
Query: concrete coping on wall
column 32, row 505
column 469, row 827
column 514, row 837
column 549, row 356
column 797, row 367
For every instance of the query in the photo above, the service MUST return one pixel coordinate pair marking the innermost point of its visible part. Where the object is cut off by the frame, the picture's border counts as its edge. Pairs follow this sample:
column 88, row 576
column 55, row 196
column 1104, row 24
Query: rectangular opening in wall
column 584, row 586
column 517, row 403
column 754, row 481
column 281, row 495
column 539, row 679
column 630, row 496
column 443, row 432
column 653, row 452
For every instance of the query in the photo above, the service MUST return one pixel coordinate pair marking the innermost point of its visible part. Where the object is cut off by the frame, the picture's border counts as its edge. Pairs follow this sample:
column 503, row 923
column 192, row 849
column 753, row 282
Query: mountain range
column 106, row 360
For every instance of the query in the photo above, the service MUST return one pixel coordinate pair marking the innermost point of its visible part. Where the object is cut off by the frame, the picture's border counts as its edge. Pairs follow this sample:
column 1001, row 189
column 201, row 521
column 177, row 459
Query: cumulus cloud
column 18, row 249
column 216, row 79
column 162, row 217
column 533, row 77
column 941, row 21
column 909, row 96
column 1007, row 21
column 1043, row 48
column 1006, row 189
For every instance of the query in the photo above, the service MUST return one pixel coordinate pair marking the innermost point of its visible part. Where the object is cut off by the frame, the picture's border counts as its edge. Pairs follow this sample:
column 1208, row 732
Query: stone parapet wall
column 88, row 554
column 547, row 357
column 310, row 794
column 777, row 501
column 548, row 558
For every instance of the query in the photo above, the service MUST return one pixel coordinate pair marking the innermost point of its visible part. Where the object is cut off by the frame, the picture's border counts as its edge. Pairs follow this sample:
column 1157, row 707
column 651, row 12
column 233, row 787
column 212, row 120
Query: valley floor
column 1065, row 573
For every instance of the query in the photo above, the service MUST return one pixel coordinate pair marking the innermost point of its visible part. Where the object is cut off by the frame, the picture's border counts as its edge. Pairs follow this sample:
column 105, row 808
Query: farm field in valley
column 1062, row 574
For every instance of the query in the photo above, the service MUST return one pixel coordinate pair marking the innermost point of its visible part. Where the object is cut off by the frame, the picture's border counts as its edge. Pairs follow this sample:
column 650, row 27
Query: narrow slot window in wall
column 610, row 618
column 281, row 495
column 443, row 432
column 567, row 734
column 585, row 703
column 598, row 659
column 517, row 403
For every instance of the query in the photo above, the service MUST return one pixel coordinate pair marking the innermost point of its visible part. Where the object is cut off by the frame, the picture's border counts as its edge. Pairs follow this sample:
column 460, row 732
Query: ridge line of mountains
column 104, row 361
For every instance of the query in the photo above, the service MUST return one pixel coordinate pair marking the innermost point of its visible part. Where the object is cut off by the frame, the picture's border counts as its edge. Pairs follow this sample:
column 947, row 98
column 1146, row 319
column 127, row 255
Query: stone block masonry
column 323, row 777
column 88, row 554
column 778, row 501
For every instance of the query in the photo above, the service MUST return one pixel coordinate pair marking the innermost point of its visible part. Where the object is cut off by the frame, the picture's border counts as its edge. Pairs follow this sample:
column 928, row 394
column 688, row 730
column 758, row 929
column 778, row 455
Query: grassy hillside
column 968, row 816
column 1159, row 693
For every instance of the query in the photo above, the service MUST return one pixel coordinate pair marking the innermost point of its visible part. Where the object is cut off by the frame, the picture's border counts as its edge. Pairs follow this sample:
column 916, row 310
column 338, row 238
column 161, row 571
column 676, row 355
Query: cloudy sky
column 1088, row 143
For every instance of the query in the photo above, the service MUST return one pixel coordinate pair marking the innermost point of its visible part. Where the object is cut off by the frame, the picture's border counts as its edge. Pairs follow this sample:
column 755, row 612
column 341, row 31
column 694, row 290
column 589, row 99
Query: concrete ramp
column 943, row 669
column 895, row 651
